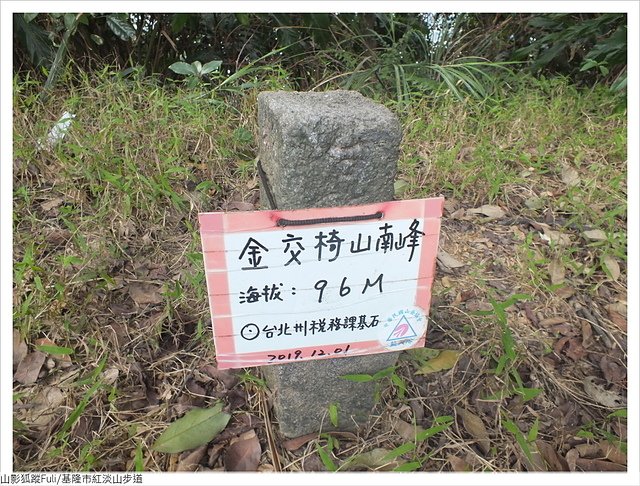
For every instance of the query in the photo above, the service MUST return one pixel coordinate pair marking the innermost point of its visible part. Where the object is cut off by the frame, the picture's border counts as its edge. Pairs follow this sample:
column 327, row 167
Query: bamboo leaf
column 50, row 349
column 326, row 459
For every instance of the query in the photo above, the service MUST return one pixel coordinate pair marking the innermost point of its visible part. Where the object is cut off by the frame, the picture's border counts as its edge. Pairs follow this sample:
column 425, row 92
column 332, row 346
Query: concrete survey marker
column 292, row 286
column 334, row 149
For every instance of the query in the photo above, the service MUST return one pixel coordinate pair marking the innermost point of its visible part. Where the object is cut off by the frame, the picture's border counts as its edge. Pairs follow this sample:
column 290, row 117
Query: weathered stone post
column 334, row 148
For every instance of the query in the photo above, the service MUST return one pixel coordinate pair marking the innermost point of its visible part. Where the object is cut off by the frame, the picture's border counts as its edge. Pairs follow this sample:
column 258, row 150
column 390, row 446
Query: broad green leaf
column 384, row 373
column 431, row 431
column 37, row 40
column 533, row 432
column 588, row 64
column 243, row 18
column 359, row 378
column 181, row 67
column 618, row 413
column 409, row 466
column 45, row 348
column 333, row 414
column 197, row 65
column 138, row 460
column 444, row 361
column 178, row 21
column 28, row 17
column 18, row 425
column 508, row 343
column 399, row 187
column 399, row 382
column 524, row 445
column 398, row 451
column 196, row 428
column 211, row 66
column 443, row 419
column 326, row 459
column 69, row 21
column 527, row 393
column 120, row 26
column 97, row 39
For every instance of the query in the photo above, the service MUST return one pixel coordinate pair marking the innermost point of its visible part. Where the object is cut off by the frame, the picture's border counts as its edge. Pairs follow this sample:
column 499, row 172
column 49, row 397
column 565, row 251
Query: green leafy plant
column 378, row 377
column 440, row 424
column 592, row 431
column 507, row 359
column 195, row 72
column 526, row 443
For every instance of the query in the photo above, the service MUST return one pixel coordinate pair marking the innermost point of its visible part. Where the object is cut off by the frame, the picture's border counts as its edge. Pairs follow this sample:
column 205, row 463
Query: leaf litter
column 484, row 244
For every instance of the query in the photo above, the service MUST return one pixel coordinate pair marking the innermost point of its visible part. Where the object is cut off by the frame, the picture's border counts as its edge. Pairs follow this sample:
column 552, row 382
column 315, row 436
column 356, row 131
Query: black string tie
column 341, row 219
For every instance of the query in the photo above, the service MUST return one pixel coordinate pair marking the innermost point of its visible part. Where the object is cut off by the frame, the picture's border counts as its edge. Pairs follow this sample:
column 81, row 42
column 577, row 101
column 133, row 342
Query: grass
column 107, row 266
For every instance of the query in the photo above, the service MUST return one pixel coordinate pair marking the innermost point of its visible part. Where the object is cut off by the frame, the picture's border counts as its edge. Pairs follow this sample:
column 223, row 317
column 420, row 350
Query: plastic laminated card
column 291, row 286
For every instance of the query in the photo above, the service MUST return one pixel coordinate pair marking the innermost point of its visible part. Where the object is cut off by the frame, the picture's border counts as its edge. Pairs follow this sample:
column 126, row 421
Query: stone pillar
column 326, row 149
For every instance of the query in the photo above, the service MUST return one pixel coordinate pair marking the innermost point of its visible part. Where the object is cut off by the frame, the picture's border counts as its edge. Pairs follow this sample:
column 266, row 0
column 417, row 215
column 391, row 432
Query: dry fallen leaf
column 595, row 235
column 244, row 454
column 556, row 272
column 552, row 321
column 447, row 261
column 228, row 377
column 190, row 460
column 444, row 361
column 613, row 453
column 493, row 212
column 618, row 315
column 51, row 204
column 598, row 465
column 475, row 426
column 406, row 430
column 571, row 458
column 458, row 464
column 29, row 368
column 19, row 348
column 555, row 237
column 575, row 350
column 554, row 460
column 612, row 371
column 375, row 460
column 604, row 397
column 239, row 206
column 537, row 462
column 565, row 292
column 297, row 442
column 145, row 293
column 450, row 205
column 534, row 203
column 612, row 265
column 570, row 176
column 46, row 405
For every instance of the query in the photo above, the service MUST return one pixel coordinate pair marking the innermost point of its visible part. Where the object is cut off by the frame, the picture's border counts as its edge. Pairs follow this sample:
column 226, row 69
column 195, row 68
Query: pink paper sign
column 290, row 286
